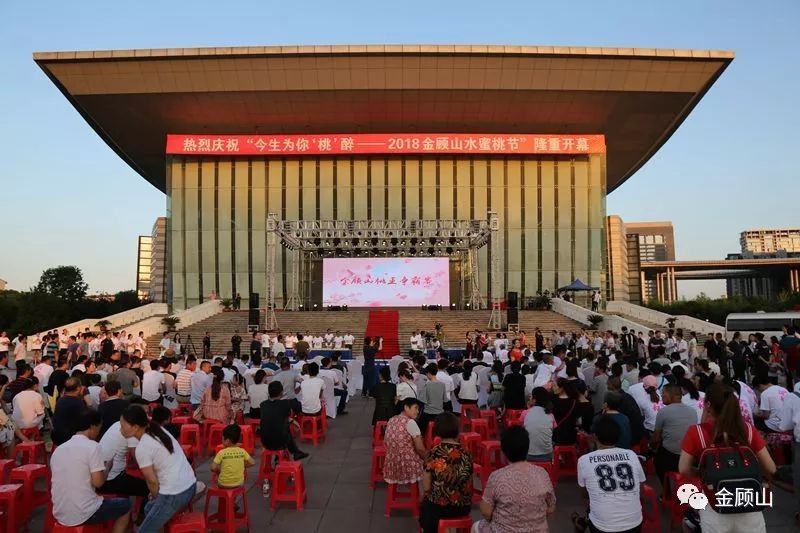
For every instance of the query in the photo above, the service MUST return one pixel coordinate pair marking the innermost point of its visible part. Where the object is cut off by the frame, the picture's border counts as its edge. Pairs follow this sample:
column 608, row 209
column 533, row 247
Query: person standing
column 595, row 300
column 207, row 345
column 236, row 343
column 368, row 369
column 237, row 301
column 200, row 382
column 5, row 342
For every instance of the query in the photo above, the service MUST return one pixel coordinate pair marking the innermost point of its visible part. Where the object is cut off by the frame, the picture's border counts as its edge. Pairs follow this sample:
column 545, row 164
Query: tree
column 125, row 300
column 65, row 282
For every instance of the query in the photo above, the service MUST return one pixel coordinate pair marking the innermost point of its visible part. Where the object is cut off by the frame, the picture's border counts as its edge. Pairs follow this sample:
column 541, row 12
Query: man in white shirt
column 311, row 391
column 328, row 338
column 612, row 477
column 349, row 340
column 278, row 347
column 165, row 343
column 768, row 418
column 43, row 370
column 77, row 471
column 447, row 381
column 115, row 448
column 331, row 380
column 316, row 342
column 394, row 364
column 416, row 342
column 338, row 341
column 153, row 382
column 290, row 341
column 28, row 406
column 681, row 347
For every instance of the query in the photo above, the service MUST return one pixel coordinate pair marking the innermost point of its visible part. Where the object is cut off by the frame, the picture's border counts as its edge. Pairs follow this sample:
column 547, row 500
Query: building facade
column 144, row 263
column 767, row 241
column 151, row 268
column 550, row 202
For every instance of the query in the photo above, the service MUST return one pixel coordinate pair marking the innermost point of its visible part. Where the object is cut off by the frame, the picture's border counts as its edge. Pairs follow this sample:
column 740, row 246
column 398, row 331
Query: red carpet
column 384, row 324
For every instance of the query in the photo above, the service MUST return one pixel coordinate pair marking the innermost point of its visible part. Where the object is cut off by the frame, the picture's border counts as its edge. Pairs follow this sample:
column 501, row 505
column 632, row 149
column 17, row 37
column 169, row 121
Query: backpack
column 726, row 470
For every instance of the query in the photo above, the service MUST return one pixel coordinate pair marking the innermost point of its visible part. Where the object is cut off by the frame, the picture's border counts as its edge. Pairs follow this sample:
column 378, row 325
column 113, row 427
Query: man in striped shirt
column 183, row 381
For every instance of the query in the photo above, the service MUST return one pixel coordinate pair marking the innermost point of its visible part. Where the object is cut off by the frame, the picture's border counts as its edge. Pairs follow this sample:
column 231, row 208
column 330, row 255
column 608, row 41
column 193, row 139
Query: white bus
column 770, row 324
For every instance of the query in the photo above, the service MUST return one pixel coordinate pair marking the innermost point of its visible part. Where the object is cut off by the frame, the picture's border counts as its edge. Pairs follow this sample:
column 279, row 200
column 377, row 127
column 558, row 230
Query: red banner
column 384, row 143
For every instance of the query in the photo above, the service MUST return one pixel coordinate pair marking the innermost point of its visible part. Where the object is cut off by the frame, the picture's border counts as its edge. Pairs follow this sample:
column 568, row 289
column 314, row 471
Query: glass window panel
column 412, row 189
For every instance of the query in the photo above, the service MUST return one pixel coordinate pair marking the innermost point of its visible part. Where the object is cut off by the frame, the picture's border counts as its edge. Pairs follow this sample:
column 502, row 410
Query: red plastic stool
column 214, row 437
column 582, row 444
column 187, row 523
column 468, row 414
column 248, row 439
column 206, row 428
column 312, row 428
column 551, row 471
column 290, row 485
column 255, row 424
column 513, row 417
column 477, row 493
column 86, row 528
column 777, row 443
column 238, row 418
column 29, row 452
column 428, row 440
column 31, row 433
column 6, row 466
column 226, row 518
column 651, row 512
column 490, row 457
column 671, row 484
column 565, row 460
column 266, row 468
column 481, row 427
column 400, row 499
column 190, row 435
column 12, row 505
column 491, row 416
column 470, row 441
column 455, row 525
column 181, row 420
column 324, row 415
column 378, row 460
column 27, row 476
column 188, row 451
column 378, row 433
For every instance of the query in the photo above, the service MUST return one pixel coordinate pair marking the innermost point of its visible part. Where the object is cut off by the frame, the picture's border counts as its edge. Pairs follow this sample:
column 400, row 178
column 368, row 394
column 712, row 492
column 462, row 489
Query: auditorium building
column 536, row 135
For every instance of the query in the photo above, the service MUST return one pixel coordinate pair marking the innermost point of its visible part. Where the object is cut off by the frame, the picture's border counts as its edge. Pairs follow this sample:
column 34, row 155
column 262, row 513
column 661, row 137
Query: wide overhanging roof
column 636, row 97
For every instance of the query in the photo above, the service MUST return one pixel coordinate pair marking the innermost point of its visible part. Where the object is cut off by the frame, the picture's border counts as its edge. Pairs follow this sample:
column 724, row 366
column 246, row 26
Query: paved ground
column 340, row 500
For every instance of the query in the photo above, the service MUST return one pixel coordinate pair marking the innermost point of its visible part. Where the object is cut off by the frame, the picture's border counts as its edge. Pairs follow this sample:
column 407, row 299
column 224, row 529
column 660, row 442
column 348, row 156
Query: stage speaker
column 254, row 303
column 512, row 315
column 511, row 300
column 253, row 317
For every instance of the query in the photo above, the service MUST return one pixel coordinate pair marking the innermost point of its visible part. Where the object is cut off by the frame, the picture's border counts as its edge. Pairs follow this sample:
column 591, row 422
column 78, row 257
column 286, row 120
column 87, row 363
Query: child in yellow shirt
column 231, row 461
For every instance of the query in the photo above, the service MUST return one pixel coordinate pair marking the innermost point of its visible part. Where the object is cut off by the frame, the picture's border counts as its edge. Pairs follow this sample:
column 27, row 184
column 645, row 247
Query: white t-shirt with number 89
column 612, row 477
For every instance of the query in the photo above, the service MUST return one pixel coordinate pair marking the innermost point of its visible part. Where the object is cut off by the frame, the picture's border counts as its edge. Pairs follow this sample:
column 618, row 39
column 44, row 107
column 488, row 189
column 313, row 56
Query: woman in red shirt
column 723, row 425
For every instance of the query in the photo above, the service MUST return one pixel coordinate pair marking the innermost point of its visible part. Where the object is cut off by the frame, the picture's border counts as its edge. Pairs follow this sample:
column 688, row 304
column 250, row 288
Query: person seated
column 163, row 417
column 274, row 429
column 113, row 406
column 77, row 472
column 672, row 422
column 28, row 406
column 116, row 448
column 539, row 424
column 447, row 478
column 311, row 390
column 612, row 478
column 768, row 417
column 69, row 405
column 231, row 461
column 504, row 506
column 611, row 409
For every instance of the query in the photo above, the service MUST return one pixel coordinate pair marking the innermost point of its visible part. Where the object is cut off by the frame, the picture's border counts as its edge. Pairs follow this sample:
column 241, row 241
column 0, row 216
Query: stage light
column 317, row 241
column 452, row 240
column 413, row 241
column 449, row 250
column 394, row 241
column 395, row 251
column 412, row 251
column 431, row 250
column 432, row 240
column 315, row 307
column 468, row 305
column 301, row 307
column 452, row 306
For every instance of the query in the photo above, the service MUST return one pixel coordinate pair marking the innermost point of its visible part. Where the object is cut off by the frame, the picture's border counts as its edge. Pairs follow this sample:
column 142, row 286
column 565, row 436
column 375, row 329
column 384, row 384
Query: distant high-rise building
column 766, row 241
column 656, row 243
column 143, row 264
column 2, row 284
column 151, row 276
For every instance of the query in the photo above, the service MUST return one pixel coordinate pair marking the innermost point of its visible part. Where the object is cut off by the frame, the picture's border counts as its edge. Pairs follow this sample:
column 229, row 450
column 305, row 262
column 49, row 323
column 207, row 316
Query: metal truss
column 496, row 318
column 310, row 239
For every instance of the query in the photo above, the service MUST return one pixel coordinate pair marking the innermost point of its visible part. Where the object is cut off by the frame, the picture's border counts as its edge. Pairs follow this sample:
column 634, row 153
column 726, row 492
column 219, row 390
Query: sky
column 68, row 199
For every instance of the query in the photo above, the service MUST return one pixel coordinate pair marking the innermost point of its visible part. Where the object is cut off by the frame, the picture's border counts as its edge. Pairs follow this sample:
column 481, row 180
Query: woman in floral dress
column 404, row 447
column 447, row 481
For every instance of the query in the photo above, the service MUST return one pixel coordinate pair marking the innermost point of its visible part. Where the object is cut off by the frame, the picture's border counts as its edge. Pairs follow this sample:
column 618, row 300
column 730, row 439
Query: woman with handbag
column 565, row 411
